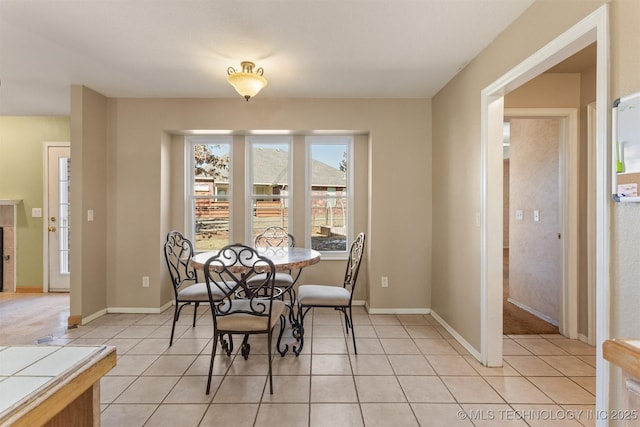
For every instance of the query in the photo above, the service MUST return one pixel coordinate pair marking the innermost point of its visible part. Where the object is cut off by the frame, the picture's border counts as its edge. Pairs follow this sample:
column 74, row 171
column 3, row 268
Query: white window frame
column 189, row 217
column 250, row 197
column 347, row 140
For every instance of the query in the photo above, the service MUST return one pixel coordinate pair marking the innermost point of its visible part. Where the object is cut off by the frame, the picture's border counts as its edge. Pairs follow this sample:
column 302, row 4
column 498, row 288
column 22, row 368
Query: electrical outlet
column 385, row 282
column 145, row 281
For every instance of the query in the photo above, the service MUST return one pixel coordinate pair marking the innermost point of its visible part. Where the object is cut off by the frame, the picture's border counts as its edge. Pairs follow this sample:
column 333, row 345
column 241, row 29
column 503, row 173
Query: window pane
column 329, row 195
column 212, row 224
column 270, row 159
column 64, row 190
column 211, row 196
column 270, row 168
column 328, row 222
column 329, row 166
column 269, row 212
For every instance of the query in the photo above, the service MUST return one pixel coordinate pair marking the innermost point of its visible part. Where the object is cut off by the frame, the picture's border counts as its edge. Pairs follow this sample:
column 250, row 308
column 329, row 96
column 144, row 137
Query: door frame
column 591, row 222
column 593, row 28
column 569, row 189
column 45, row 210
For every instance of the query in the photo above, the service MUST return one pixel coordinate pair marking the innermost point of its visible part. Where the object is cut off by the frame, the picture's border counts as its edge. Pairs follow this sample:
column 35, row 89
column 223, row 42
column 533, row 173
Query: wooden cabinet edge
column 624, row 355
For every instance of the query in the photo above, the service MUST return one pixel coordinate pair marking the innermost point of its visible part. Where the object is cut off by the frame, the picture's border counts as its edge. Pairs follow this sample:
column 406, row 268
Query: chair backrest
column 227, row 273
column 274, row 236
column 353, row 264
column 178, row 252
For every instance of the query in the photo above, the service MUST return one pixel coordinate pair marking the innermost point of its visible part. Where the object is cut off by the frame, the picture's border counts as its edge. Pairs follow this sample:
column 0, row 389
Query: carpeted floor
column 515, row 320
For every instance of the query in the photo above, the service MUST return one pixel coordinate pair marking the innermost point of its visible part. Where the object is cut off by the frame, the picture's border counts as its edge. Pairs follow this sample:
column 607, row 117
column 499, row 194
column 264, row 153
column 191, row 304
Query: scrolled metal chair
column 337, row 297
column 244, row 308
column 277, row 237
column 178, row 251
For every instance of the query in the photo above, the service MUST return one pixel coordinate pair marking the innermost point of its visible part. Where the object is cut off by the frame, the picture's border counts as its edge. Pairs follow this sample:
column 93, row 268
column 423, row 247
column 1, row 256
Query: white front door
column 59, row 168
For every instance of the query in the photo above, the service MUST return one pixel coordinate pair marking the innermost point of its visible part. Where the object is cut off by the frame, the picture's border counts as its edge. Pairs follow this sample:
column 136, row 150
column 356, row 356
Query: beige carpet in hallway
column 515, row 320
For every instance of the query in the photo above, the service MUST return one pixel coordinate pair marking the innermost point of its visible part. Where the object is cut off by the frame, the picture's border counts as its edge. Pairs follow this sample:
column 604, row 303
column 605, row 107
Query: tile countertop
column 27, row 372
column 624, row 353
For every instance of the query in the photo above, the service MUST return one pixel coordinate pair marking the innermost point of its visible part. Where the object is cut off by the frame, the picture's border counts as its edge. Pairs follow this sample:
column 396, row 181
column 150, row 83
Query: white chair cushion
column 323, row 295
column 281, row 279
column 243, row 322
column 198, row 292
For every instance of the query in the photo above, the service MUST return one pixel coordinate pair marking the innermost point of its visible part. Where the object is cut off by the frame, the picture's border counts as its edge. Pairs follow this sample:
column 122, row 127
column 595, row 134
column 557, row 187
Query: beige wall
column 21, row 168
column 88, row 192
column 548, row 90
column 144, row 201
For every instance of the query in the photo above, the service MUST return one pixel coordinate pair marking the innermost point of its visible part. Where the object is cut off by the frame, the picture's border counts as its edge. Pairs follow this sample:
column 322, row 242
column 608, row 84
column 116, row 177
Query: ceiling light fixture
column 246, row 82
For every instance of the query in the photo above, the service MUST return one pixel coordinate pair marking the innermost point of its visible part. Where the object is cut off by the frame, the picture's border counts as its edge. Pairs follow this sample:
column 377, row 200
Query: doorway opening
column 532, row 259
column 540, row 221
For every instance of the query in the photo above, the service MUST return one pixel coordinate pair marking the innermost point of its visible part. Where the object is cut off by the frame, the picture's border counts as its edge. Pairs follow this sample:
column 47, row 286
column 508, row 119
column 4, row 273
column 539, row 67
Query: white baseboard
column 475, row 353
column 396, row 310
column 140, row 310
column 94, row 316
column 534, row 312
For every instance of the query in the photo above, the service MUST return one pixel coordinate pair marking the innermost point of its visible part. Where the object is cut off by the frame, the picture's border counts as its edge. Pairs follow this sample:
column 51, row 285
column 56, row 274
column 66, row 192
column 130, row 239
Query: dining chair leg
column 195, row 310
column 175, row 319
column 269, row 355
column 353, row 331
column 213, row 355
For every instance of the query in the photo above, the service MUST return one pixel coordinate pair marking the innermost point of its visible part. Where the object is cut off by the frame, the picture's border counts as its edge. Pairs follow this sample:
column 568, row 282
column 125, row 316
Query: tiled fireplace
column 8, row 253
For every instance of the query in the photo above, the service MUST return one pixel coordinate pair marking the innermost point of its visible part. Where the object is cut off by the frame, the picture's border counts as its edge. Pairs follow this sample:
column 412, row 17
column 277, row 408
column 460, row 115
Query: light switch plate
column 36, row 212
column 519, row 215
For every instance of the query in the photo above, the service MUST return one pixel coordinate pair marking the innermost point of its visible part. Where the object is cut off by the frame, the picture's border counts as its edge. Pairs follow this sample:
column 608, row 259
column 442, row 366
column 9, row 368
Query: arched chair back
column 178, row 252
column 279, row 237
column 244, row 308
column 353, row 264
column 274, row 236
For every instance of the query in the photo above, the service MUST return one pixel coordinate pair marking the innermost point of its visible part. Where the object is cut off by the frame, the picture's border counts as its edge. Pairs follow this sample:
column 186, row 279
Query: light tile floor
column 408, row 372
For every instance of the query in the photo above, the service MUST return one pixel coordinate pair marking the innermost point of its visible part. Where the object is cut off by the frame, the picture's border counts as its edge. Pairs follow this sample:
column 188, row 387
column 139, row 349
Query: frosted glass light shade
column 246, row 82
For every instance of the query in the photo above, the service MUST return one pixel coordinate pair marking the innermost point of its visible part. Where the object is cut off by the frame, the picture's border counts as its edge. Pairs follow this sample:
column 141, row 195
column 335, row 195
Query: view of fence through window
column 329, row 207
column 269, row 174
column 211, row 195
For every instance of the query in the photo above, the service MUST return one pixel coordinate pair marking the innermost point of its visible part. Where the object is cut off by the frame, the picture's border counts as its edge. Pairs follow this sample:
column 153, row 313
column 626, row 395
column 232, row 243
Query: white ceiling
column 182, row 48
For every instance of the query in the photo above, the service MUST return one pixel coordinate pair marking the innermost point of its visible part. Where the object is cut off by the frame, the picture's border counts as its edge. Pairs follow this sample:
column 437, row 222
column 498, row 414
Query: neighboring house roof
column 325, row 175
column 271, row 168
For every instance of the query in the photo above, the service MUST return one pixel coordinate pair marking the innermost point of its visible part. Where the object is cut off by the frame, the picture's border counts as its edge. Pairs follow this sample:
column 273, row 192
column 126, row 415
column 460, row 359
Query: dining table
column 284, row 258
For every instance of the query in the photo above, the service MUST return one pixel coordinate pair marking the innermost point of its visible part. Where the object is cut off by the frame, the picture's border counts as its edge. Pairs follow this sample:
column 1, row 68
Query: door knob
column 52, row 228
